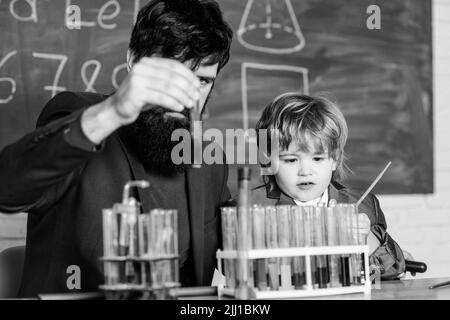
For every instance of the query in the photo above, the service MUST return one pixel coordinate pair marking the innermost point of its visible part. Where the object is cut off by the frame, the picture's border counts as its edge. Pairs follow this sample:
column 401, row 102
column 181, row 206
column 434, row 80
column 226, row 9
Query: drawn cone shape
column 270, row 26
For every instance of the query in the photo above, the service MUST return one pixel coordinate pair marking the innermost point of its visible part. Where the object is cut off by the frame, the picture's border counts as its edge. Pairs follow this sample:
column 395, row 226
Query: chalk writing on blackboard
column 54, row 88
column 8, row 79
column 281, row 36
column 246, row 66
column 90, row 82
column 119, row 68
column 33, row 12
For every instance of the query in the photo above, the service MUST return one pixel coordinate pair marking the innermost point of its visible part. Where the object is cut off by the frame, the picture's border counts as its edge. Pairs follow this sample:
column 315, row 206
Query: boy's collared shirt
column 322, row 200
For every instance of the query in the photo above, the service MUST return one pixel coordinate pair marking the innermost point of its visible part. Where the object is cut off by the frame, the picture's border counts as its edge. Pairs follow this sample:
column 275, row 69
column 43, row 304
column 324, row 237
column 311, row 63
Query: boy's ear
column 334, row 165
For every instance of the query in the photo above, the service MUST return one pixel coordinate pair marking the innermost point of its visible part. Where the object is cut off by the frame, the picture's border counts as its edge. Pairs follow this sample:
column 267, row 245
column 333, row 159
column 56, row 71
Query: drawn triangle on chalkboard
column 270, row 26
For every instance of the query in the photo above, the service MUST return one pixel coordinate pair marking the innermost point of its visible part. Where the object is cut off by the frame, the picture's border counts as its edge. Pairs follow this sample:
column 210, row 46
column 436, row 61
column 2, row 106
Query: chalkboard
column 381, row 78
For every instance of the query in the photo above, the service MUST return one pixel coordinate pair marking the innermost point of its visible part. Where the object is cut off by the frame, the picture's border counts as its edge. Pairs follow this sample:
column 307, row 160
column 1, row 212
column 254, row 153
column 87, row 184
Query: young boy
column 310, row 162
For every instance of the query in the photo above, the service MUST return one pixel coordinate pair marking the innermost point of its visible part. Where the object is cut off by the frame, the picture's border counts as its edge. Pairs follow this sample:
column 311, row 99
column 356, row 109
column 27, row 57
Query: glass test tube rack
column 289, row 251
column 140, row 251
column 137, row 282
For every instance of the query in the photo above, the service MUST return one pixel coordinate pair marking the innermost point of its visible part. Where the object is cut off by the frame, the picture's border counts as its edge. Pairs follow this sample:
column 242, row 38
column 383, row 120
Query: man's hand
column 155, row 81
column 151, row 82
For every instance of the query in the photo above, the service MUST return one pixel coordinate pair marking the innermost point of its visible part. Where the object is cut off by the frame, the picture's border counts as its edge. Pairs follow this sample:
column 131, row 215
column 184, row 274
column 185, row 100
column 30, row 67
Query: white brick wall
column 420, row 223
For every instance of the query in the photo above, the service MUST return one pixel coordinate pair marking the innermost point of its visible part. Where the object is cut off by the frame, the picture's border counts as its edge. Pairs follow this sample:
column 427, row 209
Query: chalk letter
column 53, row 88
column 115, row 72
column 374, row 21
column 7, row 79
column 90, row 84
column 74, row 280
column 31, row 17
column 102, row 16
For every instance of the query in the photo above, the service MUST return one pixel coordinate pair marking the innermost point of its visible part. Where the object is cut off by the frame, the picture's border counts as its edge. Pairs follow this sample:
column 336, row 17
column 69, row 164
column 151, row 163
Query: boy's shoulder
column 260, row 196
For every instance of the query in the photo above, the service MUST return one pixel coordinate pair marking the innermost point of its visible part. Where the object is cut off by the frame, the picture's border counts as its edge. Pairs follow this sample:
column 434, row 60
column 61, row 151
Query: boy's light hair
column 315, row 124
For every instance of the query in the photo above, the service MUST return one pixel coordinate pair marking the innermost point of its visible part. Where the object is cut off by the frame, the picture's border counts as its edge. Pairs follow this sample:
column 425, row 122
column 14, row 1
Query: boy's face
column 303, row 175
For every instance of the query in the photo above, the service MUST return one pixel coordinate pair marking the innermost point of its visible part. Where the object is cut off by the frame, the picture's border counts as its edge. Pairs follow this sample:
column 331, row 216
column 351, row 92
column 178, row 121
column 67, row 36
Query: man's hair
column 184, row 30
column 315, row 124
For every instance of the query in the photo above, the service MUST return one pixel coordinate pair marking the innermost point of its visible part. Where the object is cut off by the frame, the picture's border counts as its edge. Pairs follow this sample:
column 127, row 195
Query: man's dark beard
column 149, row 138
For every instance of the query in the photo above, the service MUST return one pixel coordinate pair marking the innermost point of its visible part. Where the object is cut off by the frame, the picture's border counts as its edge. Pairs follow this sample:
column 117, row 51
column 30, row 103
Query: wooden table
column 413, row 289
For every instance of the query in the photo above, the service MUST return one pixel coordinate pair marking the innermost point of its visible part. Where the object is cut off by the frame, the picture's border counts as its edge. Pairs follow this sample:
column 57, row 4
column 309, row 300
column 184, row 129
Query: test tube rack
column 307, row 252
column 141, row 285
column 140, row 251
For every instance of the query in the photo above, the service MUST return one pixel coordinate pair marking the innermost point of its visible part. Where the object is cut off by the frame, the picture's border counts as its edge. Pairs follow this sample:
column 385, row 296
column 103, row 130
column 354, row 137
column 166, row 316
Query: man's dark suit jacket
column 64, row 182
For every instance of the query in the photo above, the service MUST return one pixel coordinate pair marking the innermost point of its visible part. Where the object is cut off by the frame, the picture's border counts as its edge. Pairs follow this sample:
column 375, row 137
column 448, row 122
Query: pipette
column 373, row 184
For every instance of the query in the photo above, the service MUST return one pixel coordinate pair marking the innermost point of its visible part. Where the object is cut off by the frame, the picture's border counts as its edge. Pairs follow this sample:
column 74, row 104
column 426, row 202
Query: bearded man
column 87, row 146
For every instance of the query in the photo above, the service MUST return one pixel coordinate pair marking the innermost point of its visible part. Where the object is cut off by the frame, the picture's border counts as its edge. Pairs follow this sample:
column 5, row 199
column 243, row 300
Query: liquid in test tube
column 344, row 227
column 308, row 212
column 298, row 241
column 284, row 235
column 259, row 242
column 272, row 243
column 333, row 241
column 110, row 240
column 322, row 276
column 357, row 258
column 229, row 238
column 196, row 129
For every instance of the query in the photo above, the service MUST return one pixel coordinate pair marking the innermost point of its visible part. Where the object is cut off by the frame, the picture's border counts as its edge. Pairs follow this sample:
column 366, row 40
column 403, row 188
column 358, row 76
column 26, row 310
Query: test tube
column 162, row 247
column 196, row 129
column 284, row 240
column 244, row 267
column 319, row 241
column 298, row 241
column 357, row 258
column 110, row 240
column 308, row 213
column 244, row 236
column 344, row 228
column 259, row 242
column 333, row 241
column 171, row 245
column 229, row 241
column 272, row 243
column 143, row 246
